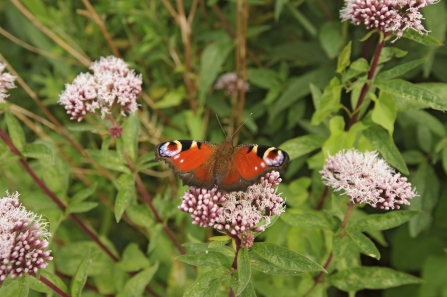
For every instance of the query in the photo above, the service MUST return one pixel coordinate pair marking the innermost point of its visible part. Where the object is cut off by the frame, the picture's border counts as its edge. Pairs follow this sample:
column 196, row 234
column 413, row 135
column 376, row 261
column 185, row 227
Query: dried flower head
column 386, row 15
column 23, row 239
column 365, row 178
column 115, row 130
column 6, row 82
column 112, row 83
column 235, row 212
column 230, row 83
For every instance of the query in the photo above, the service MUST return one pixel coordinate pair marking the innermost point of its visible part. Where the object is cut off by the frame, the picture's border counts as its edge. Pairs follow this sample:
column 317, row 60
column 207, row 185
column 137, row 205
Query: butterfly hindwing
column 189, row 159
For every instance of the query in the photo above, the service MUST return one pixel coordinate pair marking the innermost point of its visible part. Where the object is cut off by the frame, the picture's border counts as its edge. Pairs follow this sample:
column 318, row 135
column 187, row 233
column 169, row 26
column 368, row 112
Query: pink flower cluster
column 6, row 82
column 23, row 239
column 230, row 84
column 365, row 178
column 386, row 15
column 235, row 212
column 112, row 83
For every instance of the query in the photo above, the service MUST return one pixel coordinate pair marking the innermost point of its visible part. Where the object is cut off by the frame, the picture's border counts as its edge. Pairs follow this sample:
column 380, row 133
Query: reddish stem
column 50, row 285
column 322, row 198
column 367, row 85
column 53, row 196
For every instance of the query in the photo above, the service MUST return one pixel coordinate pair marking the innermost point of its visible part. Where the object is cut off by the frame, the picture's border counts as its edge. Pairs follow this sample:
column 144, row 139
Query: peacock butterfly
column 205, row 164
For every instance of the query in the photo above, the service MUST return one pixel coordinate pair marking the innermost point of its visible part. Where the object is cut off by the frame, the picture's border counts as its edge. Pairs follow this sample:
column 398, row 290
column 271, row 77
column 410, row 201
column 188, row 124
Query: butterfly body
column 206, row 165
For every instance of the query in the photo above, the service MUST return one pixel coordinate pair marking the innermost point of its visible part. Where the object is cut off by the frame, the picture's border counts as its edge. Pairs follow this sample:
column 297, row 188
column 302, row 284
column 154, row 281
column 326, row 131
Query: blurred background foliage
column 292, row 50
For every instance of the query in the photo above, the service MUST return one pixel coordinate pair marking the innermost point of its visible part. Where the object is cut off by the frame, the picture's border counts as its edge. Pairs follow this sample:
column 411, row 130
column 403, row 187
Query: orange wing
column 189, row 159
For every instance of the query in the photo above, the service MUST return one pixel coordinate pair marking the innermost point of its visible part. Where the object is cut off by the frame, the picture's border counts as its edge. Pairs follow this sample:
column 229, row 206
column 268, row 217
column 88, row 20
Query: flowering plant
column 354, row 91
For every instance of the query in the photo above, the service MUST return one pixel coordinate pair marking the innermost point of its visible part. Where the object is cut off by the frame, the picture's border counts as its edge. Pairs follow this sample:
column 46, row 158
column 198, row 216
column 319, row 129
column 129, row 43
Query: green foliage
column 317, row 86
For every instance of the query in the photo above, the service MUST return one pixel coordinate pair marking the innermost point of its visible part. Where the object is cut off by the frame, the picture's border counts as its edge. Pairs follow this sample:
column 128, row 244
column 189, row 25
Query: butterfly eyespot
column 170, row 148
column 273, row 157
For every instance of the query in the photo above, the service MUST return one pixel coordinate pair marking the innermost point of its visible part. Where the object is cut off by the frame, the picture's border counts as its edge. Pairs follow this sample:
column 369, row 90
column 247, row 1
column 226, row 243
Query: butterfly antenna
column 221, row 126
column 241, row 125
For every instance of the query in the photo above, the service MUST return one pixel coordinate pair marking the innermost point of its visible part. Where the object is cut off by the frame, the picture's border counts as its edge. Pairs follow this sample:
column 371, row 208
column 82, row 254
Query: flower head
column 235, row 212
column 230, row 83
column 112, row 83
column 23, row 239
column 6, row 82
column 386, row 15
column 116, row 130
column 365, row 178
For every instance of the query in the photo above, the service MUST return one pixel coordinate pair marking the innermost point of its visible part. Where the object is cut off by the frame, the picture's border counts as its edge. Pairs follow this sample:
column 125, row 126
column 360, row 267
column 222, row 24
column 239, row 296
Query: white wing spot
column 263, row 164
column 181, row 161
column 176, row 157
column 256, row 167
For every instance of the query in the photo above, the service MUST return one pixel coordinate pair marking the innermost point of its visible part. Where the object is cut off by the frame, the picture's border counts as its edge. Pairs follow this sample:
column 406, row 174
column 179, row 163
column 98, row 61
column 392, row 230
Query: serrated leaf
column 80, row 207
column 208, row 258
column 412, row 92
column 80, row 277
column 38, row 151
column 260, row 264
column 424, row 39
column 284, row 258
column 84, row 193
column 302, row 145
column 399, row 70
column 249, row 291
column 130, row 136
column 376, row 222
column 365, row 245
column 305, row 221
column 244, row 271
column 135, row 286
column 15, row 131
column 359, row 278
column 206, row 284
column 385, row 145
column 126, row 194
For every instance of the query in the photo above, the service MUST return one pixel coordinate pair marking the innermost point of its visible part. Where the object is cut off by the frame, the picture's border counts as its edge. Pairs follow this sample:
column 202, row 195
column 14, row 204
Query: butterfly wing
column 250, row 163
column 190, row 160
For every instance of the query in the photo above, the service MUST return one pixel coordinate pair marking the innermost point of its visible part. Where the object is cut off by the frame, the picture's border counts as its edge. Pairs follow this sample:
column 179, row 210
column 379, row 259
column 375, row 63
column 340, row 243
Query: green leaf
column 133, row 259
column 384, row 112
column 338, row 139
column 263, row 78
column 360, row 65
column 135, row 286
column 220, row 238
column 412, row 92
column 80, row 127
column 279, row 5
column 249, row 291
column 209, row 258
column 84, row 193
column 284, row 258
column 428, row 186
column 80, row 277
column 376, row 222
column 302, row 19
column 244, row 271
column 109, row 160
column 38, row 151
column 54, row 279
column 298, row 87
column 15, row 131
column 305, row 221
column 424, row 39
column 130, row 136
column 302, row 145
column 206, row 284
column 194, row 122
column 213, row 56
column 399, row 70
column 359, row 278
column 172, row 98
column 126, row 194
column 260, row 264
column 344, row 58
column 80, row 207
column 23, row 287
column 385, row 145
column 433, row 272
column 329, row 103
column 365, row 245
column 330, row 38
column 422, row 117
